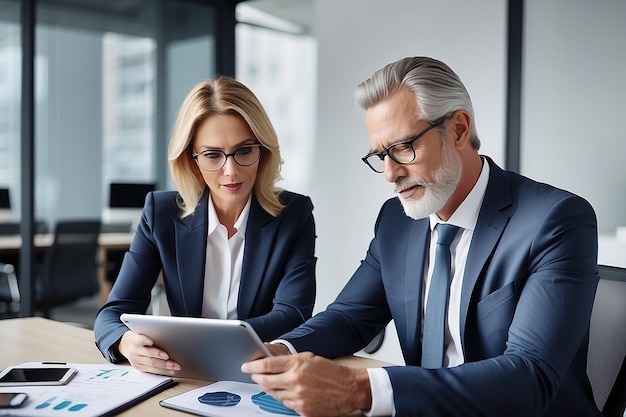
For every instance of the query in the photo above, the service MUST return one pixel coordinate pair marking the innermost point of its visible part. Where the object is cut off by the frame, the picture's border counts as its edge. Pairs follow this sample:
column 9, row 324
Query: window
column 279, row 66
column 108, row 82
column 10, row 100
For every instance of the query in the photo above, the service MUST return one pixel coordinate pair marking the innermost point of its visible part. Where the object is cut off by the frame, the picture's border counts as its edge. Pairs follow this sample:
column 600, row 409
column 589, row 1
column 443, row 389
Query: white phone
column 43, row 374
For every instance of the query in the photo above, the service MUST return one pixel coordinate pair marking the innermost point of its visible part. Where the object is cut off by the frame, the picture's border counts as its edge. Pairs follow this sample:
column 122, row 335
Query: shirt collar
column 241, row 222
column 466, row 215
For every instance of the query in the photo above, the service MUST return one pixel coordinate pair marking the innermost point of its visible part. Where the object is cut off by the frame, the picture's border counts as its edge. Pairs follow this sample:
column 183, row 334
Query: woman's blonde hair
column 223, row 95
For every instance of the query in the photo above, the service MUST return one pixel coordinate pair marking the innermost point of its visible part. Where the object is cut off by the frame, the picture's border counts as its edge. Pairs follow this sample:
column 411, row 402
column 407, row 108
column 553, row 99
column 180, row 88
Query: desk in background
column 107, row 242
column 36, row 339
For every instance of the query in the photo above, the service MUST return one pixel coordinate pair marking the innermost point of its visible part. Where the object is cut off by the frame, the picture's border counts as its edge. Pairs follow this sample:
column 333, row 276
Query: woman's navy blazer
column 277, row 287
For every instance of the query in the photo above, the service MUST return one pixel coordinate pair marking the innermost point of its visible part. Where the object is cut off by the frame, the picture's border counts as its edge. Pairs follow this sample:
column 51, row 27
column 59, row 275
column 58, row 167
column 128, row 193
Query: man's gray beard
column 445, row 180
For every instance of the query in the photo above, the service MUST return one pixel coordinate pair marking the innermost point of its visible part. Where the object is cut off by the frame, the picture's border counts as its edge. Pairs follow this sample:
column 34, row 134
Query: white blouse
column 222, row 271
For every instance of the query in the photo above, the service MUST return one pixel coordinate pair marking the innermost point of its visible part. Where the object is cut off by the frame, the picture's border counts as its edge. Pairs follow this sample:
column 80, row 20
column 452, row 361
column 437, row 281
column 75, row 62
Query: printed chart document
column 96, row 390
column 227, row 399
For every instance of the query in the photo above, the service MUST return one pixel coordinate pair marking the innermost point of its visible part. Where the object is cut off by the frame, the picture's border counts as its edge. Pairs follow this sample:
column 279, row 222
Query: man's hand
column 311, row 385
column 143, row 356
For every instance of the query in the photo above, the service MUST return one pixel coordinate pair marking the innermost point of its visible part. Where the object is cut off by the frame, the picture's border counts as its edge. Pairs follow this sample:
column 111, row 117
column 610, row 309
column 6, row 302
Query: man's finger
column 272, row 365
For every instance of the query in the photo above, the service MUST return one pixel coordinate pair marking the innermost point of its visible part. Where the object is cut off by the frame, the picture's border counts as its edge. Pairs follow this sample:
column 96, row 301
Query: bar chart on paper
column 95, row 390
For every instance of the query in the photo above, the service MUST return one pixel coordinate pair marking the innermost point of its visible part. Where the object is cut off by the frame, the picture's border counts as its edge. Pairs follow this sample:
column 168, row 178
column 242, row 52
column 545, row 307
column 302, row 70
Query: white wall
column 572, row 117
column 355, row 38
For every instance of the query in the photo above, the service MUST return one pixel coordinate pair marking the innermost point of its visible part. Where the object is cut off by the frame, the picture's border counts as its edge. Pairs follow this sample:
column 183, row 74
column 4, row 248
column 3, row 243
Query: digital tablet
column 210, row 349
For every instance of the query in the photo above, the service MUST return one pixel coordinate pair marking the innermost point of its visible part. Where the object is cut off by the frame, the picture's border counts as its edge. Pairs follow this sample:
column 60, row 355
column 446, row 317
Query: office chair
column 374, row 345
column 41, row 227
column 69, row 268
column 9, row 291
column 5, row 205
column 606, row 364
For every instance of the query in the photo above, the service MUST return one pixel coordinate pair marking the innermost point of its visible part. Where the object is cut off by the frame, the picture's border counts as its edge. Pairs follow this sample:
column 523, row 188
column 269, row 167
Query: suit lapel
column 260, row 240
column 414, row 277
column 491, row 223
column 191, row 241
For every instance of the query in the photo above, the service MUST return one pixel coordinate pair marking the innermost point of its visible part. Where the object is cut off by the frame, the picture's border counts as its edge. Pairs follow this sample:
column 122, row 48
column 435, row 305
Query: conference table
column 36, row 339
column 106, row 242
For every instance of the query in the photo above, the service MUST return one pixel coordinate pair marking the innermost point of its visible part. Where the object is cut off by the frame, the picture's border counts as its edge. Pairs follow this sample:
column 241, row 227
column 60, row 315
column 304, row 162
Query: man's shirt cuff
column 380, row 386
column 286, row 343
column 382, row 393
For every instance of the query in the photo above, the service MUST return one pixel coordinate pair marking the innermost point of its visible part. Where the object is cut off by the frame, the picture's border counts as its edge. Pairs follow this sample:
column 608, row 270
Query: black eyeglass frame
column 226, row 155
column 410, row 141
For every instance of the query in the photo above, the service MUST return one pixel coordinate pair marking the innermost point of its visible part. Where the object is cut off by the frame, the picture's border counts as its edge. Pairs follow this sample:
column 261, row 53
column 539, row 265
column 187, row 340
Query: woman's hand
column 143, row 356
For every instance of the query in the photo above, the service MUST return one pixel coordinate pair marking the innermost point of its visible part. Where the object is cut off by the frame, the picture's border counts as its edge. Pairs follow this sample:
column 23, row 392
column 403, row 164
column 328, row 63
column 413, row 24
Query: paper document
column 227, row 399
column 96, row 390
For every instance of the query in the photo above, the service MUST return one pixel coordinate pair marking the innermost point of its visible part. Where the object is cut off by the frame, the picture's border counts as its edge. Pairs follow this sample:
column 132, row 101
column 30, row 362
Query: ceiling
column 300, row 12
column 132, row 15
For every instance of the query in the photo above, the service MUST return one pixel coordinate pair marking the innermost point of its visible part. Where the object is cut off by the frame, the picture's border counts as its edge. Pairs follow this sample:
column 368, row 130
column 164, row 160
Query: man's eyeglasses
column 401, row 152
column 214, row 160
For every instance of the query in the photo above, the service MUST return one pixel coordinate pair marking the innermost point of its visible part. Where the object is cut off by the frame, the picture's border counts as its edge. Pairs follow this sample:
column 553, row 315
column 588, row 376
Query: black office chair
column 9, row 291
column 606, row 364
column 69, row 269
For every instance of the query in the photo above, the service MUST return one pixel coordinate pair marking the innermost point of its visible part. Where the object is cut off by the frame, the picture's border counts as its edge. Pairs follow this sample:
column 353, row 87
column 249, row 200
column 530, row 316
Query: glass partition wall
column 280, row 66
column 109, row 77
column 10, row 93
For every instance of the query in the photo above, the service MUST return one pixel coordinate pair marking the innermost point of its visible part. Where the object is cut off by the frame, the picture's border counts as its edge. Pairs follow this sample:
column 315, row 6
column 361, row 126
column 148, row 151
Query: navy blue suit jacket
column 277, row 287
column 526, row 300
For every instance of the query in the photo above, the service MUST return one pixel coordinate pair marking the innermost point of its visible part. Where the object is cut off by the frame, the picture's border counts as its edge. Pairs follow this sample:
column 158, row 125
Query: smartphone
column 40, row 375
column 12, row 399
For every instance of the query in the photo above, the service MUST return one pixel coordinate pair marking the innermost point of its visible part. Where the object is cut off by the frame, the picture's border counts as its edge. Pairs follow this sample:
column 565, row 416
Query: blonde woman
column 229, row 243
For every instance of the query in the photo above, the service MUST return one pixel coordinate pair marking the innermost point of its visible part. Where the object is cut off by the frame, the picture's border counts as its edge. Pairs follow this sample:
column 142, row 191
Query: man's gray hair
column 438, row 90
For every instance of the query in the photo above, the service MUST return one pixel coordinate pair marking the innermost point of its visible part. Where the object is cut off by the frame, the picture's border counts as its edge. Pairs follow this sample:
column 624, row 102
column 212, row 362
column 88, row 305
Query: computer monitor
column 125, row 205
column 5, row 205
column 128, row 195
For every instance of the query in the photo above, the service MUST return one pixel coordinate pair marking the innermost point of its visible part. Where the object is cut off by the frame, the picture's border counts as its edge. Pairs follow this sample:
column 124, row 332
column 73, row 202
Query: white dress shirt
column 222, row 271
column 465, row 216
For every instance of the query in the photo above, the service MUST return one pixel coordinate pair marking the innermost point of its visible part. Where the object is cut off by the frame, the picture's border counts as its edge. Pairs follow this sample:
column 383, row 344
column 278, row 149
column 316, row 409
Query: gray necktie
column 434, row 318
